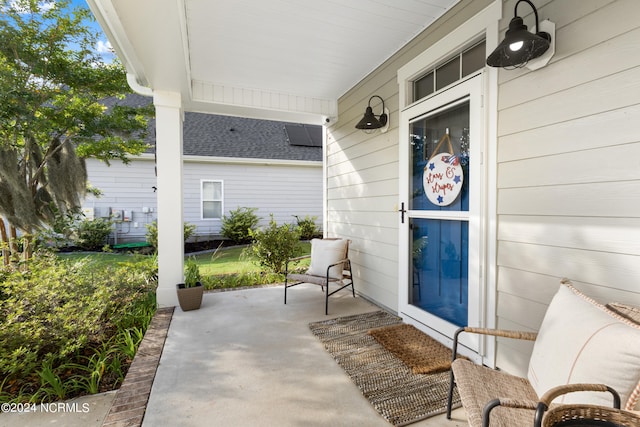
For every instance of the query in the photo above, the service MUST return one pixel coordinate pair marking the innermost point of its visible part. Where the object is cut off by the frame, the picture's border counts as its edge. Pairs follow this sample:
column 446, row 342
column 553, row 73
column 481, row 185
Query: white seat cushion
column 325, row 252
column 581, row 341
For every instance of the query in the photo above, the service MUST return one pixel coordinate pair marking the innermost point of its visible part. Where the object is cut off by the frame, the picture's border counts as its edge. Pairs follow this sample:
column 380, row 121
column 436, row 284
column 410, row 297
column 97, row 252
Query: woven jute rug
column 417, row 350
column 400, row 396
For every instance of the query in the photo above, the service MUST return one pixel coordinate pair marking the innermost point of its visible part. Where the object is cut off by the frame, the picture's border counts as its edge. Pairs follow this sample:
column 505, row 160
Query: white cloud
column 105, row 51
column 103, row 47
column 44, row 6
column 47, row 5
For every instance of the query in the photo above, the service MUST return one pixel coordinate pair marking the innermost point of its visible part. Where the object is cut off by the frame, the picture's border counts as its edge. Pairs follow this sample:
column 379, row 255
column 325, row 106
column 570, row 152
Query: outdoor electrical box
column 116, row 214
column 101, row 212
column 126, row 216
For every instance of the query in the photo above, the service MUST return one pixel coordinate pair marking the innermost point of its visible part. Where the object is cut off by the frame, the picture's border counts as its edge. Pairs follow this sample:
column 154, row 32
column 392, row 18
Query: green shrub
column 189, row 230
column 152, row 233
column 91, row 235
column 52, row 386
column 191, row 273
column 55, row 318
column 75, row 229
column 238, row 280
column 91, row 371
column 237, row 226
column 274, row 244
column 307, row 227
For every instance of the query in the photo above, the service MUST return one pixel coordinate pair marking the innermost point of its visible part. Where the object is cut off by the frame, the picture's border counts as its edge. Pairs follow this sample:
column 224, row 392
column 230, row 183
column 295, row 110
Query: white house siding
column 124, row 187
column 287, row 189
column 283, row 190
column 363, row 171
column 568, row 168
column 568, row 172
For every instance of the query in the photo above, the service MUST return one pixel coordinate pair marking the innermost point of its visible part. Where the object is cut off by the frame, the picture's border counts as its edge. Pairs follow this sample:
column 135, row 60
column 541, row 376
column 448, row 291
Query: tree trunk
column 27, row 247
column 13, row 243
column 4, row 242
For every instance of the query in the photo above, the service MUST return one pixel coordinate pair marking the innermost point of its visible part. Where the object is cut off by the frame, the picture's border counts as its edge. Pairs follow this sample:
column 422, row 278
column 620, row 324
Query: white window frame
column 202, row 199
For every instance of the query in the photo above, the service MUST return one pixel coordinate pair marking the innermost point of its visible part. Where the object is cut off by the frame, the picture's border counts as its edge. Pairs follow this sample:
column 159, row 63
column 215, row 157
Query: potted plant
column 190, row 292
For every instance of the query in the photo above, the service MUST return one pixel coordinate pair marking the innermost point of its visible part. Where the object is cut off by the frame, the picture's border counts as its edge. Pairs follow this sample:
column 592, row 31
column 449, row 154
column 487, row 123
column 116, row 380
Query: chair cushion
column 632, row 313
column 325, row 252
column 581, row 341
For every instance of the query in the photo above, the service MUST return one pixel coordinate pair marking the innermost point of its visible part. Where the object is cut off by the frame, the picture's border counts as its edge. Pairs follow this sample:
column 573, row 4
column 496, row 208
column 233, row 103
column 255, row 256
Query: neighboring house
column 229, row 162
column 550, row 154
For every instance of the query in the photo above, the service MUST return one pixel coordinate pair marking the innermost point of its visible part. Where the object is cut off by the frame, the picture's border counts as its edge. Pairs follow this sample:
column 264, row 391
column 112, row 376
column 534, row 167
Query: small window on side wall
column 211, row 196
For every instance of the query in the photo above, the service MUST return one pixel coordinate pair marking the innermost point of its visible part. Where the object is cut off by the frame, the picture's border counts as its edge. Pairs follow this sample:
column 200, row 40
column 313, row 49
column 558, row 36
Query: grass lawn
column 230, row 260
column 225, row 261
column 97, row 258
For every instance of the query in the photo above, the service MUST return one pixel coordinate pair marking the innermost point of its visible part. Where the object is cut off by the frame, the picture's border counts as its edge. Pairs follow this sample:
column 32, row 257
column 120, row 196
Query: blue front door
column 440, row 241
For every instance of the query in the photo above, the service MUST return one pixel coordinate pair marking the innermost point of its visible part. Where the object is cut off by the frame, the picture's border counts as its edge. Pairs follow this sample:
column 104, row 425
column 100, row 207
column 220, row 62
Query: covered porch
column 552, row 150
column 555, row 185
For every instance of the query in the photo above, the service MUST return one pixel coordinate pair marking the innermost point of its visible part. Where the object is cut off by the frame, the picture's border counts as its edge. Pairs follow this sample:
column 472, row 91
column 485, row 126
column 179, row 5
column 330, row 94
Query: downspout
column 137, row 87
column 107, row 16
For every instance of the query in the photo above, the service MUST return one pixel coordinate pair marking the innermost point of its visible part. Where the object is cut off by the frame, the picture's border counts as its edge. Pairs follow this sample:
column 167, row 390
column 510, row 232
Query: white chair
column 330, row 265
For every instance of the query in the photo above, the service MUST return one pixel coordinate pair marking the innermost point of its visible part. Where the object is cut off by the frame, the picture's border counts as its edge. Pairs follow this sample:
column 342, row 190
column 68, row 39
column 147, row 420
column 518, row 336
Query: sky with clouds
column 103, row 47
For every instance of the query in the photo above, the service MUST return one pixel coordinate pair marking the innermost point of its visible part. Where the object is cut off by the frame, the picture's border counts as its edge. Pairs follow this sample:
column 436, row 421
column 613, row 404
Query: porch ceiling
column 280, row 59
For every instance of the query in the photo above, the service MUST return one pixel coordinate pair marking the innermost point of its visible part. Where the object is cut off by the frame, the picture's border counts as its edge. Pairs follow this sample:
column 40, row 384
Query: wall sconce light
column 520, row 46
column 370, row 122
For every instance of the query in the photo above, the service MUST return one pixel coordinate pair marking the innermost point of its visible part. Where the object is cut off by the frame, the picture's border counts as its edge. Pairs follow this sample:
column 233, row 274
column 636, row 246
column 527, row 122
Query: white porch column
column 169, row 119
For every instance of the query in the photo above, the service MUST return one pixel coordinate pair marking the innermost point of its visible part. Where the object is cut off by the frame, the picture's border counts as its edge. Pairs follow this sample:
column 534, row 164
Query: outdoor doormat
column 400, row 396
column 417, row 350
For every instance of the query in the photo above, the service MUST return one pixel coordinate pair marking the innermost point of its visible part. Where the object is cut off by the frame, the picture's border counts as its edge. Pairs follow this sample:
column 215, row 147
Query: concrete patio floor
column 246, row 359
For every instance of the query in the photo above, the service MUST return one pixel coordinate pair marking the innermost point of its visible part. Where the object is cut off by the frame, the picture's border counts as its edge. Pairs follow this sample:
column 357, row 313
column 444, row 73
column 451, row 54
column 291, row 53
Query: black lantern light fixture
column 370, row 122
column 519, row 45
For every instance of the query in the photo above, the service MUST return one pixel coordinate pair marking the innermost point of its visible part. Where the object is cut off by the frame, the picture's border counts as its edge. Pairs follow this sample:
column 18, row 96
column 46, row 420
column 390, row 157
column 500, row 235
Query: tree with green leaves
column 60, row 103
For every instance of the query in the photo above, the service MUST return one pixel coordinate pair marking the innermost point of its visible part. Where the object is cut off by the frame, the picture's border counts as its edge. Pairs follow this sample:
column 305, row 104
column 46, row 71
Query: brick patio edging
column 130, row 403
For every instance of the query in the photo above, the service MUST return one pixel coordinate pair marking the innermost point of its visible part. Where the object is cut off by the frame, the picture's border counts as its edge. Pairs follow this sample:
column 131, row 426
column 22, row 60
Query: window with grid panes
column 452, row 70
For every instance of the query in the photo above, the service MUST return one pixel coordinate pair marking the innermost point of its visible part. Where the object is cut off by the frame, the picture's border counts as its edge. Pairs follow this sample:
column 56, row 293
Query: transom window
column 466, row 62
column 211, row 196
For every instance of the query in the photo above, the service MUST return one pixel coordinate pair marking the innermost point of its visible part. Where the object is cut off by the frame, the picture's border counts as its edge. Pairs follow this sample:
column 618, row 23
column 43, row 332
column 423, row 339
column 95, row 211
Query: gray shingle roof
column 227, row 136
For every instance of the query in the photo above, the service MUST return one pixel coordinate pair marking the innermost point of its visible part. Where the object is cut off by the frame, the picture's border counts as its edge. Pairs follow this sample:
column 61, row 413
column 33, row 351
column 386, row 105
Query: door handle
column 402, row 211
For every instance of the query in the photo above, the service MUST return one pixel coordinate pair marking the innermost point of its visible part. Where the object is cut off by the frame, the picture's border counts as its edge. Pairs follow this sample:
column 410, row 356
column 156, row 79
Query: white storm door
column 441, row 180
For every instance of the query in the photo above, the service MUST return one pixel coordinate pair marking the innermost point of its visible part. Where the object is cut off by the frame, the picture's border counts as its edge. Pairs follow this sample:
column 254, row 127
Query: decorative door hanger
column 442, row 177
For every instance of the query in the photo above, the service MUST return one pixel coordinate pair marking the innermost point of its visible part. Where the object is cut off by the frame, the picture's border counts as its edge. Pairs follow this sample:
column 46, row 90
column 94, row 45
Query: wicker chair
column 326, row 268
column 479, row 387
column 548, row 415
column 492, row 397
column 589, row 415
